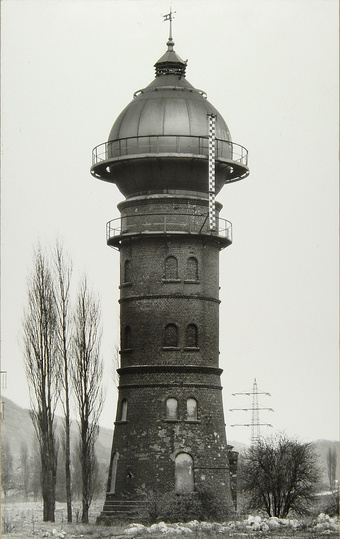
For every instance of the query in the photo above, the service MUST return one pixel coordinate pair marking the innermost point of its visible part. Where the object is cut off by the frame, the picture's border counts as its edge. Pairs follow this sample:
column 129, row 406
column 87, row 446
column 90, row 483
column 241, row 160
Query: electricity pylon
column 255, row 412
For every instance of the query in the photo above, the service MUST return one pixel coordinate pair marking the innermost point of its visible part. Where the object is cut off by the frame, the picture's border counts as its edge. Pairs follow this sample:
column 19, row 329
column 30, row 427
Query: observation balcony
column 165, row 223
column 233, row 157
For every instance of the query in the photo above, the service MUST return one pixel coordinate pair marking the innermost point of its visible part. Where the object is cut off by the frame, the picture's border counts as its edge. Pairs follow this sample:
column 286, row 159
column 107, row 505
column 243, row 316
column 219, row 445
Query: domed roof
column 170, row 105
column 160, row 141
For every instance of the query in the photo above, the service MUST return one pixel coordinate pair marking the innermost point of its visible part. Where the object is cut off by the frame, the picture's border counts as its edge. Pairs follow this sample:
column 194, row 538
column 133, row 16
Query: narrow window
column 171, row 408
column 192, row 269
column 127, row 338
column 192, row 410
column 191, row 340
column 127, row 271
column 114, row 465
column 123, row 410
column 184, row 473
column 171, row 336
column 171, row 268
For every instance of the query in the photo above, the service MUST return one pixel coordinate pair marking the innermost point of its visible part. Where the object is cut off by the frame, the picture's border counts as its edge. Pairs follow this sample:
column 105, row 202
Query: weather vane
column 169, row 17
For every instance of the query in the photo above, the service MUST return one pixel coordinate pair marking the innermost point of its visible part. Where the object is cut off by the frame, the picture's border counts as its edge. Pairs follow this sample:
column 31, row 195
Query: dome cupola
column 160, row 142
column 170, row 63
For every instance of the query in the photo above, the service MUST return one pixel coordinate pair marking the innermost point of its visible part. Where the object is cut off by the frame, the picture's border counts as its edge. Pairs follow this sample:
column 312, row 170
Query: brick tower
column 169, row 436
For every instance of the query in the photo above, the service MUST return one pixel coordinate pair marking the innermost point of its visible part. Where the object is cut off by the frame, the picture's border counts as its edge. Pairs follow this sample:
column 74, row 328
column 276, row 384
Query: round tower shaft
column 169, row 435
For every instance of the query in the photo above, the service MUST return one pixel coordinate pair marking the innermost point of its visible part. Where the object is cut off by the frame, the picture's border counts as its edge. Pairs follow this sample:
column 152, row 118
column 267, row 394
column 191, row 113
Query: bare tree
column 42, row 371
column 63, row 273
column 87, row 374
column 76, row 472
column 6, row 467
column 35, row 479
column 280, row 475
column 24, row 469
column 331, row 466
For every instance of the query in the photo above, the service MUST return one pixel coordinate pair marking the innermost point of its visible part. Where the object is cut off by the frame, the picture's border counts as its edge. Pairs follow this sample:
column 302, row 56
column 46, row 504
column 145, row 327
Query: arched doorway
column 184, row 473
column 114, row 465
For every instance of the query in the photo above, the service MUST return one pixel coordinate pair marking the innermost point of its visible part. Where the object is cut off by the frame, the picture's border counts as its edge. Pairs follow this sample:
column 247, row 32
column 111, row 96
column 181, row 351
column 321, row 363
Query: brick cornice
column 146, row 369
column 171, row 385
column 168, row 296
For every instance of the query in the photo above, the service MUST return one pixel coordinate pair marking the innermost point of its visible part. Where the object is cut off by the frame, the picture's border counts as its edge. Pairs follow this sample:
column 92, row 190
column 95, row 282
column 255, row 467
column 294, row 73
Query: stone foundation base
column 118, row 510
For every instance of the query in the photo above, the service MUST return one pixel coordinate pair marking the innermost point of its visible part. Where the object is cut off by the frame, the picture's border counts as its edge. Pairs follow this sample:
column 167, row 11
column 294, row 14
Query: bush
column 174, row 507
column 331, row 506
column 281, row 475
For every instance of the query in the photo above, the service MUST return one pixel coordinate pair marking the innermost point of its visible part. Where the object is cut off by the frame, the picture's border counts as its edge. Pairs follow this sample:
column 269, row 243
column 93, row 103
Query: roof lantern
column 170, row 63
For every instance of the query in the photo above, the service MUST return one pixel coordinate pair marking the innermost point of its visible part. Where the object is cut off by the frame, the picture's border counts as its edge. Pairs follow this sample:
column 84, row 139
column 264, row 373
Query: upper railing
column 168, row 144
column 166, row 223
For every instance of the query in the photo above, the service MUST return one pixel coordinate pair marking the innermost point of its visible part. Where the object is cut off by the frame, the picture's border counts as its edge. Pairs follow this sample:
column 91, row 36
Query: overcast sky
column 270, row 67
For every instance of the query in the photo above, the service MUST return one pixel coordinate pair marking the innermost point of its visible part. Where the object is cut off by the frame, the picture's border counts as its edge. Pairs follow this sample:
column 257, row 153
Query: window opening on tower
column 123, row 410
column 192, row 269
column 171, row 336
column 171, row 409
column 127, row 341
column 171, row 269
column 127, row 272
column 191, row 336
column 191, row 409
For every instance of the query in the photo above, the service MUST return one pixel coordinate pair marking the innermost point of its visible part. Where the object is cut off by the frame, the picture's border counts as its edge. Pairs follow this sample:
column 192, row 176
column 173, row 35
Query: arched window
column 172, row 408
column 191, row 336
column 192, row 269
column 123, row 410
column 184, row 473
column 113, row 475
column 127, row 338
column 191, row 410
column 171, row 268
column 171, row 336
column 127, row 271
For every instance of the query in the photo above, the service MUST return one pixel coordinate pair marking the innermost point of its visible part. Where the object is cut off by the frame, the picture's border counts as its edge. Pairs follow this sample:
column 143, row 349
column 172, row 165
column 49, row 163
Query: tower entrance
column 184, row 474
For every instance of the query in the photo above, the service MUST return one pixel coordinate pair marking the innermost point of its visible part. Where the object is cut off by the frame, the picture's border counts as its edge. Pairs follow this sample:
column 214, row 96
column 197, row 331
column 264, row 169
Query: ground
column 24, row 521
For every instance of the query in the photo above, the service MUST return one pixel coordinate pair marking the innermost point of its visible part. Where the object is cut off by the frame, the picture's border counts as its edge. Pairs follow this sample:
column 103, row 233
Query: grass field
column 24, row 521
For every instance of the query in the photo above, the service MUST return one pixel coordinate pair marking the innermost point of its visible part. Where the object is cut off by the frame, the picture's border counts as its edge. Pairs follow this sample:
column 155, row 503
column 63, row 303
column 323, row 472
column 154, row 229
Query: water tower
column 169, row 152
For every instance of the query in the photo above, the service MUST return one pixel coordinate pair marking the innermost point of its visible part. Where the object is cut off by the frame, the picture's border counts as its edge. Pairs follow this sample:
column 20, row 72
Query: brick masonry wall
column 148, row 318
column 150, row 302
column 146, row 442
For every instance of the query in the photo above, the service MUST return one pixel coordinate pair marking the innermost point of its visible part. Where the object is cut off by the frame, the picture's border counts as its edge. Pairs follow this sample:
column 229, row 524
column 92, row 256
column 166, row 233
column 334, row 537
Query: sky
column 270, row 67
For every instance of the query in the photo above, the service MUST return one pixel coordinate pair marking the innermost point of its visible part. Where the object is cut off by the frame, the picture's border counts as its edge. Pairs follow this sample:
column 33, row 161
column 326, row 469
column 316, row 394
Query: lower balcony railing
column 158, row 223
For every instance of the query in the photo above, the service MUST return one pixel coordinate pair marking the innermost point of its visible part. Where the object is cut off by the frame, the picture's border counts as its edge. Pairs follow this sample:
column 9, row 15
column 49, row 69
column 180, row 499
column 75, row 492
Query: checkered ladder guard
column 212, row 144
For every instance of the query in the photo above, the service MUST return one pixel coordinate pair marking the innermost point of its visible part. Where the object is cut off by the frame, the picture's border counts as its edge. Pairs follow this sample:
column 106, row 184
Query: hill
column 17, row 428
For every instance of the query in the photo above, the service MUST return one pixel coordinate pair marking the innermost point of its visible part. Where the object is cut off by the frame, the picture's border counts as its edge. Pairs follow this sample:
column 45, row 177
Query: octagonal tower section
column 169, row 435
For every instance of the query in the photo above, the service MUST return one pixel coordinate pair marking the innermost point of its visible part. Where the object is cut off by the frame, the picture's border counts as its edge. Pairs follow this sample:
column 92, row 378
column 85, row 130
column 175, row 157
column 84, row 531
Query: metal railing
column 168, row 144
column 157, row 223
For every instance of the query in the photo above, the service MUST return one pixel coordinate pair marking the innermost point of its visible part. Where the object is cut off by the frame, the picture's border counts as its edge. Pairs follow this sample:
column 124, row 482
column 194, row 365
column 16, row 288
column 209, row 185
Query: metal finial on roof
column 170, row 63
column 169, row 17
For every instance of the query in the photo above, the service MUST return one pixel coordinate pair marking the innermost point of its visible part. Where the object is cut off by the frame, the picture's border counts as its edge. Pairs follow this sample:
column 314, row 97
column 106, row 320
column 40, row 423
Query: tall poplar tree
column 63, row 274
column 87, row 374
column 42, row 371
